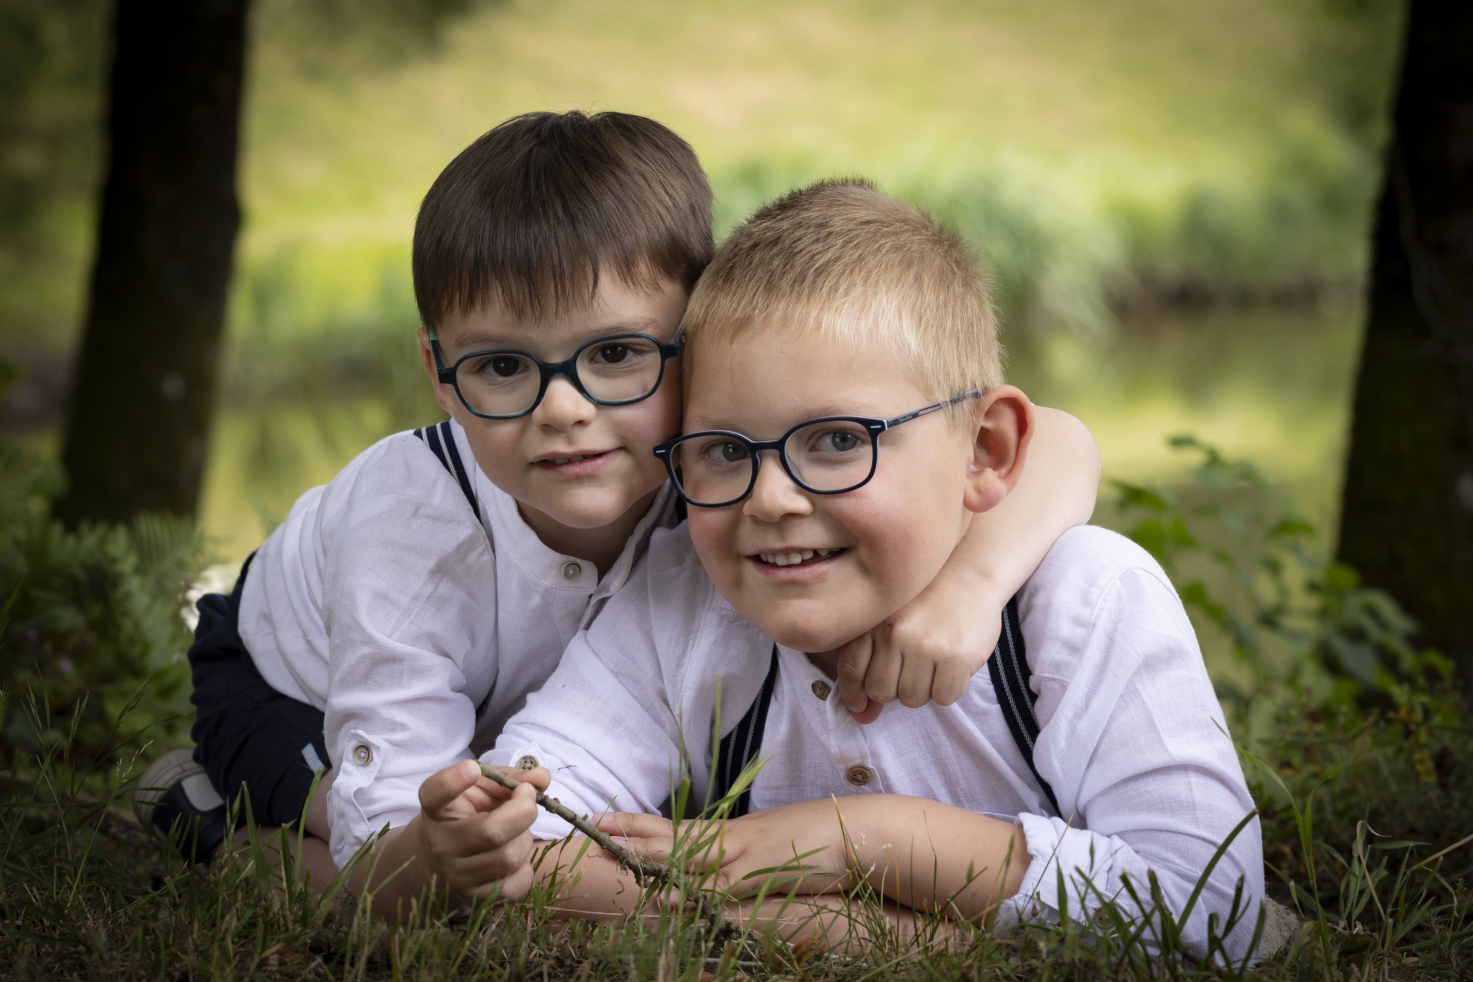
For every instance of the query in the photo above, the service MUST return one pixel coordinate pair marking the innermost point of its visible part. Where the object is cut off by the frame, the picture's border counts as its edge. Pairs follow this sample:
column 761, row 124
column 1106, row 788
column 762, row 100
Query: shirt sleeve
column 410, row 602
column 628, row 711
column 1137, row 751
column 603, row 724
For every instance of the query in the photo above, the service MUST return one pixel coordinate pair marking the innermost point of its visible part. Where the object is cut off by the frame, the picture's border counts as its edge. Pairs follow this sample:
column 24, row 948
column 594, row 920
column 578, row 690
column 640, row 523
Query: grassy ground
column 85, row 895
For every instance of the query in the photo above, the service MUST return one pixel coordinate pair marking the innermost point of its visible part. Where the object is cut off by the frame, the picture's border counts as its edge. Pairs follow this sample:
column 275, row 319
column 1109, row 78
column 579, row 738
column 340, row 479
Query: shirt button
column 527, row 762
column 821, row 689
column 572, row 571
column 362, row 755
column 858, row 776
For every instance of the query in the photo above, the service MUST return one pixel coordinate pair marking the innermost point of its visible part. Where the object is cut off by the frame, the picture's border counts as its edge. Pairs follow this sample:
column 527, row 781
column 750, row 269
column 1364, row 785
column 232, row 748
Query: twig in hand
column 643, row 869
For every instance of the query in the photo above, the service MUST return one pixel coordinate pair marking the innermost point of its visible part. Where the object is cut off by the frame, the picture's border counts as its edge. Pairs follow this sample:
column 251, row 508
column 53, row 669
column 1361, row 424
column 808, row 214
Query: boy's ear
column 1002, row 427
column 444, row 394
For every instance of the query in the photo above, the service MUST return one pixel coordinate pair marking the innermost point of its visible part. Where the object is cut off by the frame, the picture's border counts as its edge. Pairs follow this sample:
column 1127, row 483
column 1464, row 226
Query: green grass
column 85, row 895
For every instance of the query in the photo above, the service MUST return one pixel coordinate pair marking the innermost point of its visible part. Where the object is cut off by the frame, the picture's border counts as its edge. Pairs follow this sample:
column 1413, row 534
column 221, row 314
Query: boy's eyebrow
column 700, row 422
column 521, row 340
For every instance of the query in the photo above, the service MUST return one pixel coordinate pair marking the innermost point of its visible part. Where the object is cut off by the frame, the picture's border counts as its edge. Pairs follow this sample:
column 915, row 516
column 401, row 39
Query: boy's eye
column 612, row 354
column 836, row 441
column 504, row 366
column 724, row 452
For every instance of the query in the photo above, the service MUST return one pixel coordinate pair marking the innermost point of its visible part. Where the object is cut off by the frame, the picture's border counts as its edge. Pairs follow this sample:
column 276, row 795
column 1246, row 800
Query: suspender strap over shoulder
column 441, row 441
column 1008, row 667
column 742, row 745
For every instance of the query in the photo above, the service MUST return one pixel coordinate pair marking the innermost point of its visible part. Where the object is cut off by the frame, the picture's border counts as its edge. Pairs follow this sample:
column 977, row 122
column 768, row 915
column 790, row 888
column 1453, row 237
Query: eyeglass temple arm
column 446, row 375
column 934, row 407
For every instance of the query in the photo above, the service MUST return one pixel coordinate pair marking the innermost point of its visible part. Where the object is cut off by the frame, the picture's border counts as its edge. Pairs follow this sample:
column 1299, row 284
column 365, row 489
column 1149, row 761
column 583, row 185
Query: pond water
column 1270, row 385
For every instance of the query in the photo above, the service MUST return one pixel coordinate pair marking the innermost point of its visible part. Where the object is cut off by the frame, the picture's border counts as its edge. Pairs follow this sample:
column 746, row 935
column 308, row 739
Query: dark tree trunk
column 1407, row 522
column 144, row 384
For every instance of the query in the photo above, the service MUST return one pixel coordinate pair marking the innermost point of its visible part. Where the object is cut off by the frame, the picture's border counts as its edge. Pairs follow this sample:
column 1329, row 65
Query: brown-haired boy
column 845, row 402
column 404, row 611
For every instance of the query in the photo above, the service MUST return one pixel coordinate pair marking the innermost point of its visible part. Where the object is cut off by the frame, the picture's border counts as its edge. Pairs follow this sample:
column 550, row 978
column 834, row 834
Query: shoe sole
column 161, row 776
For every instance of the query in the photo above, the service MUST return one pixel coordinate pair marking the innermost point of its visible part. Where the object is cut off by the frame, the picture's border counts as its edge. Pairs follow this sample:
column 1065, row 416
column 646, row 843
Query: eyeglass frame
column 874, row 425
column 550, row 370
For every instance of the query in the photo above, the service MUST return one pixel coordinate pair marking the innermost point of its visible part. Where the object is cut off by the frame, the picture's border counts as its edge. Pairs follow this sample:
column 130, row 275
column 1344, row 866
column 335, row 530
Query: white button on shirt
column 1130, row 742
column 415, row 628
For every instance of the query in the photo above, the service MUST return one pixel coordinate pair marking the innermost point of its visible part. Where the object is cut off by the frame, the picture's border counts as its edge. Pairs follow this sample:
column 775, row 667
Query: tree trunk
column 1407, row 520
column 144, row 385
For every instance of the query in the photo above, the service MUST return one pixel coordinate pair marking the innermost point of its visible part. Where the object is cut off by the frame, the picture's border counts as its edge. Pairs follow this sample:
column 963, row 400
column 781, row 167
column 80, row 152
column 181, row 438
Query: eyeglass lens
column 833, row 455
column 503, row 383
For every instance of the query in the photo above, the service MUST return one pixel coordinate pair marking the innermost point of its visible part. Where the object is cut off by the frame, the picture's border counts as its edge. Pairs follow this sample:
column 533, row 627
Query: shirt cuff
column 548, row 827
column 1087, row 861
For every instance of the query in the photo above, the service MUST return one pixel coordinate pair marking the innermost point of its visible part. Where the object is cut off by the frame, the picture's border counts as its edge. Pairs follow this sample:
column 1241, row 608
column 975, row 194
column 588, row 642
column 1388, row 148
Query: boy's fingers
column 537, row 777
column 629, row 823
column 882, row 681
column 495, row 864
column 443, row 787
column 914, row 688
column 655, row 847
column 487, row 832
column 952, row 679
column 854, row 659
column 513, row 887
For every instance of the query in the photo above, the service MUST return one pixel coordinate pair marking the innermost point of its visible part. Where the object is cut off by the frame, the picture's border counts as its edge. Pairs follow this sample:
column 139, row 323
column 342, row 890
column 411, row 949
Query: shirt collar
column 512, row 536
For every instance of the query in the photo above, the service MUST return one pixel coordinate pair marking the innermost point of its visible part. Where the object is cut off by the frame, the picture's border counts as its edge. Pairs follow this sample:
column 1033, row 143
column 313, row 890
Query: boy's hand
column 927, row 652
column 474, row 834
column 770, row 841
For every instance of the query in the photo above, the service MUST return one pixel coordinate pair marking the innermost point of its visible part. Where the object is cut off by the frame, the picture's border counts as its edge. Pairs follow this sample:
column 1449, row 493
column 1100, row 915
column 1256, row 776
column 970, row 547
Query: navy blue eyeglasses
column 507, row 384
column 829, row 455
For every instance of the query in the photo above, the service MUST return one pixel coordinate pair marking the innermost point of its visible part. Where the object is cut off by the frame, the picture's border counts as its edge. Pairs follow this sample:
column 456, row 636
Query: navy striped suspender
column 1008, row 667
column 441, row 442
column 742, row 745
column 1010, row 674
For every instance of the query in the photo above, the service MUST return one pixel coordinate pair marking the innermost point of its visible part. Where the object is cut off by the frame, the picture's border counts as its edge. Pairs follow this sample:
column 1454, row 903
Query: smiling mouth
column 797, row 557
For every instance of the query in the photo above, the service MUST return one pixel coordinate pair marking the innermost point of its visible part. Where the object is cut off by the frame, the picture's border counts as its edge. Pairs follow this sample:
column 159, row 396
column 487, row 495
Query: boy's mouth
column 576, row 465
column 797, row 557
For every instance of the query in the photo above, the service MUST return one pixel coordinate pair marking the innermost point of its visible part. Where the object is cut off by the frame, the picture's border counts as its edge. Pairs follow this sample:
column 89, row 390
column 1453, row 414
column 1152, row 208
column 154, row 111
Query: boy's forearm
column 590, row 884
column 394, row 872
column 1055, row 492
column 924, row 854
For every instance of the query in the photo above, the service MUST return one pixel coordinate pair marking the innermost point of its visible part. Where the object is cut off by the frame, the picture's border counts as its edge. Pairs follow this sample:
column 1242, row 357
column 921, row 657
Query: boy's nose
column 775, row 496
column 563, row 406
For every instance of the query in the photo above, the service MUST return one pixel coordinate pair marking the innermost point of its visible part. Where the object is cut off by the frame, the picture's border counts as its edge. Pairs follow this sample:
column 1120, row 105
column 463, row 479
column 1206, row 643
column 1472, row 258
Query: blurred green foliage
column 93, row 613
column 1244, row 557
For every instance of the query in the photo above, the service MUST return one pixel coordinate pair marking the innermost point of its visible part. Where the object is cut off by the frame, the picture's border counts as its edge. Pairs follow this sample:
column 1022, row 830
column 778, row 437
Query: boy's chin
column 810, row 637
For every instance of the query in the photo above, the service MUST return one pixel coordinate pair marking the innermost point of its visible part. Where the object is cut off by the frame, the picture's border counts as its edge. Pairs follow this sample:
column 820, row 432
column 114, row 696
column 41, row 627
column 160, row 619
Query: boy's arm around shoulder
column 931, row 648
column 1133, row 742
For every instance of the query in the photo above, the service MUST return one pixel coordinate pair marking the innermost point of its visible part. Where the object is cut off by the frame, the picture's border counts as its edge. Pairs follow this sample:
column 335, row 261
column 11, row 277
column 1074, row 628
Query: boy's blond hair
column 859, row 268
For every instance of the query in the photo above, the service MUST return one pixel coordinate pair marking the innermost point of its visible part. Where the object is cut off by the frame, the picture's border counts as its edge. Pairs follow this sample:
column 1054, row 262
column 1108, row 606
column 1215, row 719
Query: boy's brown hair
column 855, row 265
column 533, row 211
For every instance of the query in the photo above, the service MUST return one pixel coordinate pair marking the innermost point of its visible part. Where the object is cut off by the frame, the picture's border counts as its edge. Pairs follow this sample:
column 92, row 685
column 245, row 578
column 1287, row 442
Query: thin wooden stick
column 643, row 869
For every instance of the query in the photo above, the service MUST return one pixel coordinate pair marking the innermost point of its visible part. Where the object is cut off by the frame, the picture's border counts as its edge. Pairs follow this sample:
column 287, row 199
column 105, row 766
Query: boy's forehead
column 771, row 373
column 614, row 307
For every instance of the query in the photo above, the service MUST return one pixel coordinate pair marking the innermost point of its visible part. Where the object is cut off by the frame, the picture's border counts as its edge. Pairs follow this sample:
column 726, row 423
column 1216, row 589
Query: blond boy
column 845, row 406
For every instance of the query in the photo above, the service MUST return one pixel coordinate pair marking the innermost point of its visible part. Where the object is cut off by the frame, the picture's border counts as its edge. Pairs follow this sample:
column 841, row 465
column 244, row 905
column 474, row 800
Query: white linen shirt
column 1133, row 740
column 415, row 628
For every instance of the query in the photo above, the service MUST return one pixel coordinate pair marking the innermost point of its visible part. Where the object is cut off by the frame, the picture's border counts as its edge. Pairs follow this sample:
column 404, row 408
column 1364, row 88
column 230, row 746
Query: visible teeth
column 791, row 558
column 566, row 460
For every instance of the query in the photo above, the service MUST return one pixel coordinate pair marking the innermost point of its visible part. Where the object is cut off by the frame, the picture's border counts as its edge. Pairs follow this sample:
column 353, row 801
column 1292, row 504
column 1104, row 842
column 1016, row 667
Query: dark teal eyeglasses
column 610, row 371
column 829, row 455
